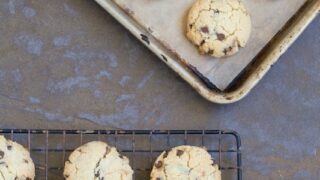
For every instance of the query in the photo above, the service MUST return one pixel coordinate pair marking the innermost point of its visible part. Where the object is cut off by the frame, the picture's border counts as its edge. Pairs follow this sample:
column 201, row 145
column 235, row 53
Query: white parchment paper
column 167, row 18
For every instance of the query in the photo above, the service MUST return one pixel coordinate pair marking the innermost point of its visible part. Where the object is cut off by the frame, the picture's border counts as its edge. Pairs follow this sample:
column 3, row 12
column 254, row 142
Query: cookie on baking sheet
column 97, row 160
column 15, row 161
column 185, row 162
column 218, row 27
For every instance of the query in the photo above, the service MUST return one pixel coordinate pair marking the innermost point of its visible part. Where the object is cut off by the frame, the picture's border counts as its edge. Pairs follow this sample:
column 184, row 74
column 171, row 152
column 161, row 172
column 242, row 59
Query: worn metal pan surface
column 244, row 81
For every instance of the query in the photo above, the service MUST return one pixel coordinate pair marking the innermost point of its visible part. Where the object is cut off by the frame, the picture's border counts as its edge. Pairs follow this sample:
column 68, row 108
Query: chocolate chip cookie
column 185, row 162
column 218, row 27
column 97, row 160
column 15, row 161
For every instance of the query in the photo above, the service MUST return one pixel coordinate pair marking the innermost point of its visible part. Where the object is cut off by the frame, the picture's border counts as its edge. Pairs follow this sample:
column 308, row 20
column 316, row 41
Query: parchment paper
column 167, row 19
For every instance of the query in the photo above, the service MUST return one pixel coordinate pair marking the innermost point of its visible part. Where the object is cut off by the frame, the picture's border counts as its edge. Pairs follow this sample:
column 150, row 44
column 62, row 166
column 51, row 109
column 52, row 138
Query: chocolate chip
column 165, row 154
column 210, row 51
column 190, row 26
column 225, row 51
column 221, row 36
column 66, row 175
column 26, row 161
column 158, row 164
column 121, row 156
column 216, row 11
column 97, row 174
column 205, row 29
column 230, row 48
column 28, row 178
column 1, row 154
column 202, row 42
column 9, row 147
column 179, row 152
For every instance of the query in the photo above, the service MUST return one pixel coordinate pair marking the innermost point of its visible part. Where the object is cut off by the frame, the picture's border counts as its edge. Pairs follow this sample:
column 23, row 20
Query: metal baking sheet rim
column 283, row 41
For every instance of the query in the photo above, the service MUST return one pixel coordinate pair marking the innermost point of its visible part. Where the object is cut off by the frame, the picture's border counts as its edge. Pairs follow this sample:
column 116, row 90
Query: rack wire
column 51, row 148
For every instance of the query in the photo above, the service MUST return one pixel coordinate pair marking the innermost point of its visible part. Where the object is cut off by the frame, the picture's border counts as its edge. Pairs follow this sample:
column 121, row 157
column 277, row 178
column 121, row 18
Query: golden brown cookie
column 218, row 27
column 185, row 162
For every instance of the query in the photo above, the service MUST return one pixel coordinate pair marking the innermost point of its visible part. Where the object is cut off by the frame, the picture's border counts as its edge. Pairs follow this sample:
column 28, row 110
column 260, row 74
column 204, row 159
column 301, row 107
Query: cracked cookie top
column 15, row 161
column 97, row 161
column 185, row 162
column 218, row 27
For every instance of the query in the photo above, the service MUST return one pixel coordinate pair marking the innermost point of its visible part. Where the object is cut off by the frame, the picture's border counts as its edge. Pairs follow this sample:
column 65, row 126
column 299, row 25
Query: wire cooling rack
column 51, row 148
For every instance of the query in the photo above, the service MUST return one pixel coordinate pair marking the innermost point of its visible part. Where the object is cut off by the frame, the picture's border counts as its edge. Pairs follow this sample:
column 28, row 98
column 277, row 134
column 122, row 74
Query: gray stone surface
column 67, row 64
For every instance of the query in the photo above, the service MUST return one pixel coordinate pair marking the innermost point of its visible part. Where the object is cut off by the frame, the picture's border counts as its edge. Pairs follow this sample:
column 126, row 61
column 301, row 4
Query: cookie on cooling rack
column 15, row 161
column 185, row 162
column 218, row 27
column 97, row 160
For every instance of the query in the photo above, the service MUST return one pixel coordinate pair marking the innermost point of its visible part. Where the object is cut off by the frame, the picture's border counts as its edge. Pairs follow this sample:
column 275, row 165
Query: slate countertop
column 68, row 64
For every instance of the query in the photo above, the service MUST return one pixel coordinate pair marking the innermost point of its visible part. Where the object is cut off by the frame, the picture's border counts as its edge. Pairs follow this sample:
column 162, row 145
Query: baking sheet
column 166, row 20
